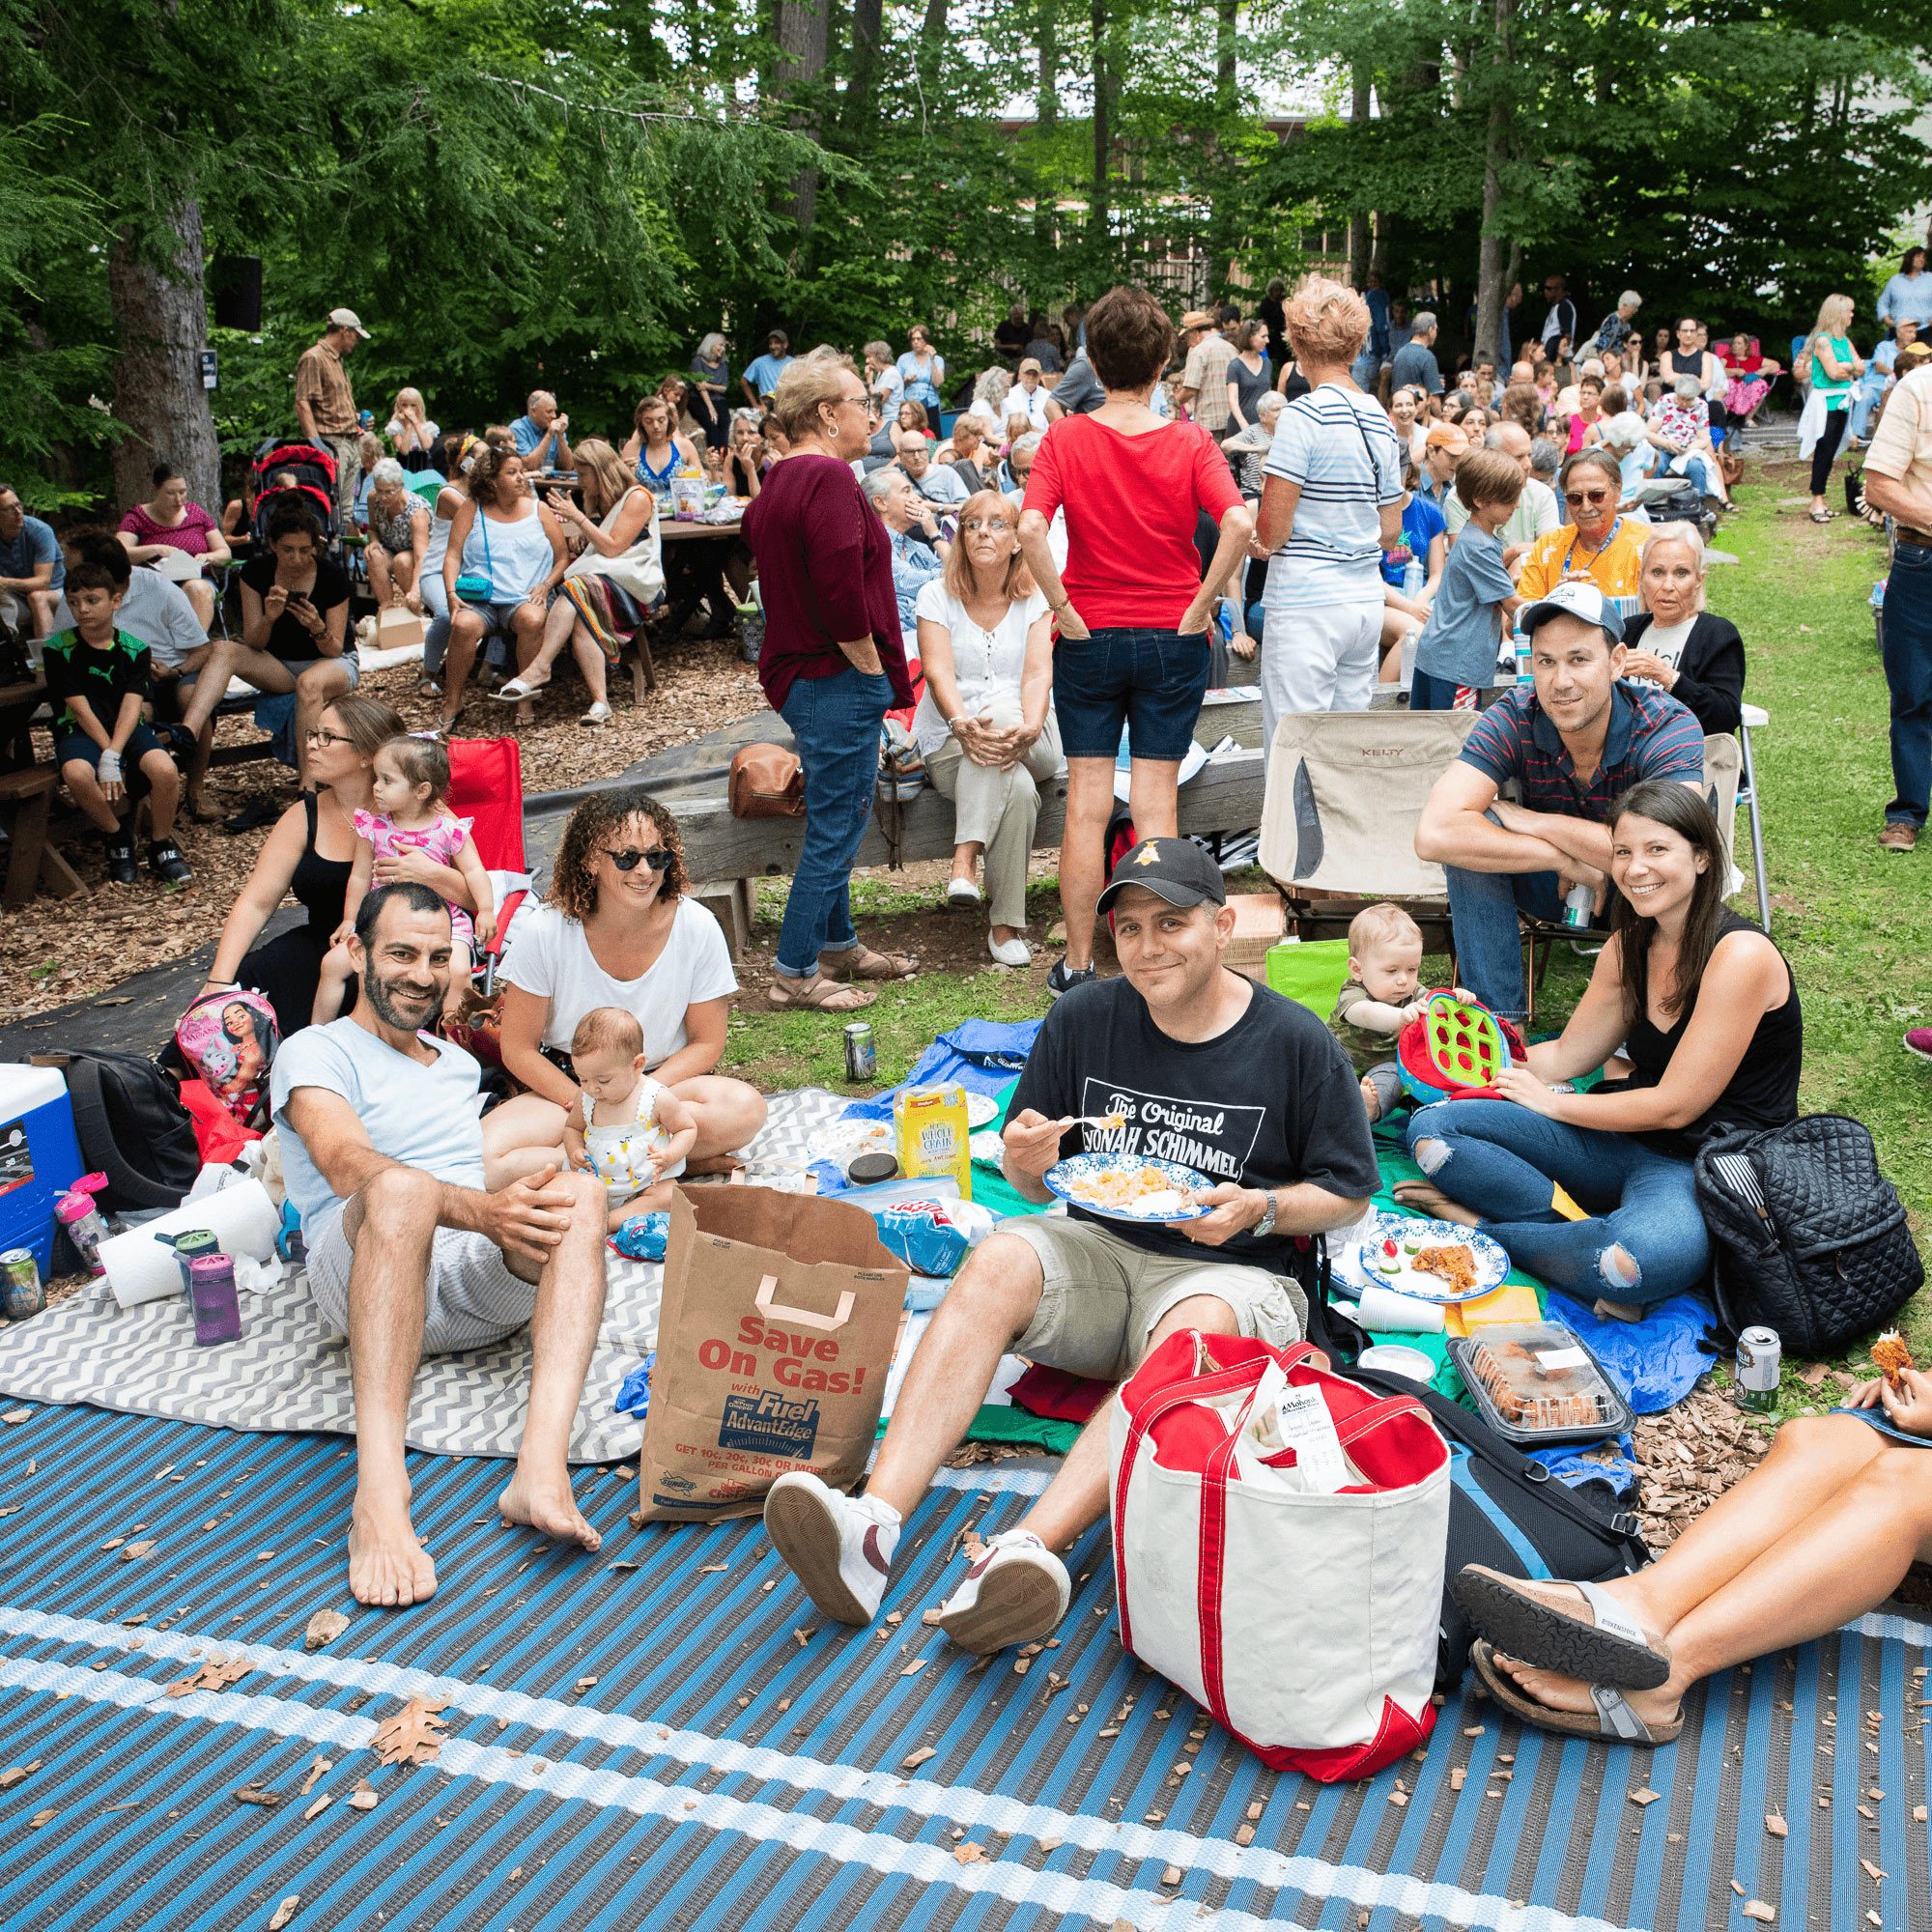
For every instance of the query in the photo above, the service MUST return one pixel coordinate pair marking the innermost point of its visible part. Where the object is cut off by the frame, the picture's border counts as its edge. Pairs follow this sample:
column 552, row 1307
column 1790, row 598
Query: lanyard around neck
column 1569, row 558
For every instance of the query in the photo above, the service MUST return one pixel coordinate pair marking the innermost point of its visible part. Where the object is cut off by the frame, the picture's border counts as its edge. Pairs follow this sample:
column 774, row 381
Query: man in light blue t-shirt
column 32, row 571
column 539, row 432
column 762, row 376
column 411, row 1251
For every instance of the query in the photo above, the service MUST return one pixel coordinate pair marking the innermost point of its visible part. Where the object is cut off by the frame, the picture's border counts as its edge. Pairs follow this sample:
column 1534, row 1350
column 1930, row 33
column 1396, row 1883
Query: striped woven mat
column 662, row 1736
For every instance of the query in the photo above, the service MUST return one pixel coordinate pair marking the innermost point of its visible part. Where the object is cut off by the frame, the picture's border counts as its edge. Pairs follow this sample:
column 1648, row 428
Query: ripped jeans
column 1645, row 1239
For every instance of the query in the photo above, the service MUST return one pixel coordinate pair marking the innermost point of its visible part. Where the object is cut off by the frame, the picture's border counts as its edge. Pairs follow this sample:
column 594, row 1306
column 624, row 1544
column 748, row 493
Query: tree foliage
column 570, row 193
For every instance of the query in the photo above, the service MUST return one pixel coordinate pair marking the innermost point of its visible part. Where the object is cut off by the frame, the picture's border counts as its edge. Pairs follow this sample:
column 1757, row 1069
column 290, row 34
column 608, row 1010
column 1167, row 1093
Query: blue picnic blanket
column 982, row 1055
column 1656, row 1361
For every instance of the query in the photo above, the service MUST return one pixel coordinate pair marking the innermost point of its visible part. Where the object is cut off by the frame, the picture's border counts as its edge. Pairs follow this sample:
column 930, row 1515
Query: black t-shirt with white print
column 1270, row 1102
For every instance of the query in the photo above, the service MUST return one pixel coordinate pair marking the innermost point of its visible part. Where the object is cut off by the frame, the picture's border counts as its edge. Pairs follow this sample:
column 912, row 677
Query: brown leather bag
column 767, row 782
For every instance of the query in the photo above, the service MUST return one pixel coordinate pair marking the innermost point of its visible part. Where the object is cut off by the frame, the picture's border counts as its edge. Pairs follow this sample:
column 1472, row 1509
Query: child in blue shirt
column 1458, row 651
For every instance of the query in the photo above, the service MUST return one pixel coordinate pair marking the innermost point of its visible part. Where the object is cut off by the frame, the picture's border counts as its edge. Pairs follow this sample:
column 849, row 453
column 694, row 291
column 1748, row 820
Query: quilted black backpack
column 1807, row 1235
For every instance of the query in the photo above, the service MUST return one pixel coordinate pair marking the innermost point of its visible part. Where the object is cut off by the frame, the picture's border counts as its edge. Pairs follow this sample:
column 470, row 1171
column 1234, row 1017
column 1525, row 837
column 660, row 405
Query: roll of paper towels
column 141, row 1264
column 1384, row 1311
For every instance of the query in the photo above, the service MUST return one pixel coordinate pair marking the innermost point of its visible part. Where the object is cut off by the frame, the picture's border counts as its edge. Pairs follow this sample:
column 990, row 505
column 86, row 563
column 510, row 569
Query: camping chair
column 1747, row 796
column 486, row 785
column 1343, row 792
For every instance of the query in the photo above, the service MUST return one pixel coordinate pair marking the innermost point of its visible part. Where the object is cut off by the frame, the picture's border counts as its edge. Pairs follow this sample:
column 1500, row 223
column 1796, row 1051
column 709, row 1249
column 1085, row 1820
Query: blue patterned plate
column 1065, row 1176
column 1353, row 1273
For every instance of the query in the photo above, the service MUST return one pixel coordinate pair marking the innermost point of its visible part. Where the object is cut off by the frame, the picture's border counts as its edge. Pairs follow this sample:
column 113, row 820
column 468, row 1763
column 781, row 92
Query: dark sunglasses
column 1587, row 496
column 656, row 857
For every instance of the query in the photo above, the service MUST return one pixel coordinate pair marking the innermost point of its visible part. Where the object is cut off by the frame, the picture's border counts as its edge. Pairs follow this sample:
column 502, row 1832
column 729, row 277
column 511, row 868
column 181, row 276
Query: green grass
column 1850, row 918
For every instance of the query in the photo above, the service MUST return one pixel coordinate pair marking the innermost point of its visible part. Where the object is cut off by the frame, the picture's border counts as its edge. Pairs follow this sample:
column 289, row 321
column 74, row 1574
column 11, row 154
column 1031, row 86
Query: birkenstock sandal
column 1611, row 1650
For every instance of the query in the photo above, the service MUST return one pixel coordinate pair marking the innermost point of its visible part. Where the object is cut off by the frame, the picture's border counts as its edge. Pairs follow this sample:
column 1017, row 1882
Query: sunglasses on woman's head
column 656, row 857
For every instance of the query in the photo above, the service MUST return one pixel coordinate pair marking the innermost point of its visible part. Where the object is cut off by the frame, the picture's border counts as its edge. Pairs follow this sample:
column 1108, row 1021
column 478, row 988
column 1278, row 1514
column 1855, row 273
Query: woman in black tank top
column 1593, row 1192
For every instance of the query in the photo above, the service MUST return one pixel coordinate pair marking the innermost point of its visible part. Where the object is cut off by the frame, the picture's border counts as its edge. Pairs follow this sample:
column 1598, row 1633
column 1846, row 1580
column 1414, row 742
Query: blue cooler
column 40, row 1156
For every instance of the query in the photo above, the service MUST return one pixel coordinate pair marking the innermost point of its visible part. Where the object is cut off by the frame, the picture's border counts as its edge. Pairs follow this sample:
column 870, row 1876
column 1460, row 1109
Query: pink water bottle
column 211, row 1289
column 80, row 1219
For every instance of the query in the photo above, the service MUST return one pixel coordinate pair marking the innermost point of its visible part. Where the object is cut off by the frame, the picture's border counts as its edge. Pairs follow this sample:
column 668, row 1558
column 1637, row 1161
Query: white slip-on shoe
column 1016, row 1591
column 598, row 713
column 963, row 896
column 838, row 1547
column 1014, row 951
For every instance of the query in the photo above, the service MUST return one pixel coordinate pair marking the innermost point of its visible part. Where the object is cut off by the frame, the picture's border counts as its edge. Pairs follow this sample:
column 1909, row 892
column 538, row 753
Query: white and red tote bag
column 1303, row 1619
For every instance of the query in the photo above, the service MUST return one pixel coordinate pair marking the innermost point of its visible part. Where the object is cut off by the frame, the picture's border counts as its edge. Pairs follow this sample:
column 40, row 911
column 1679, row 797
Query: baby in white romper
column 630, row 1132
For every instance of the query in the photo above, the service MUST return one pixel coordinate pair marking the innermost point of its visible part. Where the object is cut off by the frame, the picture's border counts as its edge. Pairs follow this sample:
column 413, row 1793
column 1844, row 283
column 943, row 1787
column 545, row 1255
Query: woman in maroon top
column 832, row 665
column 1133, row 607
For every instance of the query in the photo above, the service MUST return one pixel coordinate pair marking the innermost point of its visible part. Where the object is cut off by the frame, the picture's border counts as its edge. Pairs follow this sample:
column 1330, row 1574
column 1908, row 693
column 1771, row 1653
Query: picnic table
column 29, row 788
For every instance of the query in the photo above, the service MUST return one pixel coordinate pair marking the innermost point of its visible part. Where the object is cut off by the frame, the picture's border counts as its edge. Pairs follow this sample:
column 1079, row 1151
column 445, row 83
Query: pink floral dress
column 442, row 841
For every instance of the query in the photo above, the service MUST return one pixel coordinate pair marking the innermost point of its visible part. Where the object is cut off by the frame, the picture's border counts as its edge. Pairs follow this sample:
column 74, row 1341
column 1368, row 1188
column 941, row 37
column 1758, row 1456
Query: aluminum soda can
column 862, row 1057
column 20, row 1292
column 1760, row 1361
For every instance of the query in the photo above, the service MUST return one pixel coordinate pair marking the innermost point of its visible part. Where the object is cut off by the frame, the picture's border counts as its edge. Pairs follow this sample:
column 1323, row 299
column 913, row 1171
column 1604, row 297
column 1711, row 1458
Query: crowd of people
column 1041, row 567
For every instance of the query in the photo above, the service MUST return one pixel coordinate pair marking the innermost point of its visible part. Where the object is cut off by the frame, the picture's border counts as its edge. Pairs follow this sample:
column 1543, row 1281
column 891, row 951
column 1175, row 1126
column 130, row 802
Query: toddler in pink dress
column 413, row 829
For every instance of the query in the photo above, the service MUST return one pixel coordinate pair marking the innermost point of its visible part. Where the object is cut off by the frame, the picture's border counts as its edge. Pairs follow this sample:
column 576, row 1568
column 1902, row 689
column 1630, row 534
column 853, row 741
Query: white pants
column 998, row 809
column 1317, row 656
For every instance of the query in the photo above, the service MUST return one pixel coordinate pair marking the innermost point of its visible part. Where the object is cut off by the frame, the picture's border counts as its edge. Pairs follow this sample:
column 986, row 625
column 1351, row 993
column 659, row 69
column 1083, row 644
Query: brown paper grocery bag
column 781, row 1313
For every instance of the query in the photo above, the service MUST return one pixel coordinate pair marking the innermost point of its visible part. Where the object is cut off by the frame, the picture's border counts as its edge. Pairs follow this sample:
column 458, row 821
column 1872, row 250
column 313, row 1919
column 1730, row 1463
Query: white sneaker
column 838, row 1547
column 1014, row 952
column 1018, row 1590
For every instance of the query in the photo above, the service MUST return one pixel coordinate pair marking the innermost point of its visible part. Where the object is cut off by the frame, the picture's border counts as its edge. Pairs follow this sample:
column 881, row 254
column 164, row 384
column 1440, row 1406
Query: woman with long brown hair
column 985, row 723
column 617, row 928
column 1706, row 1014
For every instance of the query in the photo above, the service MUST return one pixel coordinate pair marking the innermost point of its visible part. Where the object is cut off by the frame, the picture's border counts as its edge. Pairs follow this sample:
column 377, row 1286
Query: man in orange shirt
column 1594, row 545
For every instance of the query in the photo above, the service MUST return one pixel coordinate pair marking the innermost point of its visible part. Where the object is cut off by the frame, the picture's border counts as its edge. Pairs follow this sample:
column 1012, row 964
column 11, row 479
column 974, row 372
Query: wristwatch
column 1265, row 1224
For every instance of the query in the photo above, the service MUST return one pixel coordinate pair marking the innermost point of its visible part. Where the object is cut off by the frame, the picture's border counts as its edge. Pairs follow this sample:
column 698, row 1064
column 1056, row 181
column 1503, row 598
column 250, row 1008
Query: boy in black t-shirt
column 1195, row 1064
column 97, row 676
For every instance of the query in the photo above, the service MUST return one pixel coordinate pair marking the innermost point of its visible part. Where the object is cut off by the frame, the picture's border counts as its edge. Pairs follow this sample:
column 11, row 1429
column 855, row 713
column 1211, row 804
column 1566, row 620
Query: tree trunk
column 1225, row 241
column 932, row 50
column 1047, row 123
column 1099, row 207
column 800, row 34
column 862, row 88
column 1362, row 224
column 1492, row 285
column 160, row 324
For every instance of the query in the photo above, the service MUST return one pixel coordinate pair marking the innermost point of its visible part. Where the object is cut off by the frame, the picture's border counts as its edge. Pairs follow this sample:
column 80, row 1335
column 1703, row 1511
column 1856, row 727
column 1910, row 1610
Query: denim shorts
column 71, row 746
column 1150, row 681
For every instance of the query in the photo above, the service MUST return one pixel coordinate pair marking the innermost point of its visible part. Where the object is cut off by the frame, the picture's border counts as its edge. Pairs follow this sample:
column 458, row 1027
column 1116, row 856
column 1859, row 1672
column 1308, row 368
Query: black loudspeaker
column 238, row 292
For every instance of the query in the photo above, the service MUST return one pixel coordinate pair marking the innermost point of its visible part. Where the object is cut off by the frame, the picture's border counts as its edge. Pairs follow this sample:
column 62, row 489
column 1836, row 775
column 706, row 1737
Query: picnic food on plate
column 1452, row 1260
column 1891, row 1356
column 1138, row 1190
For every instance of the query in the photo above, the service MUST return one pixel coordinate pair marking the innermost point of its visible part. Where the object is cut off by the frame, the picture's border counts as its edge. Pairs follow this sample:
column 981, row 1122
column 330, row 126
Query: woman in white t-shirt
column 985, row 723
column 616, row 930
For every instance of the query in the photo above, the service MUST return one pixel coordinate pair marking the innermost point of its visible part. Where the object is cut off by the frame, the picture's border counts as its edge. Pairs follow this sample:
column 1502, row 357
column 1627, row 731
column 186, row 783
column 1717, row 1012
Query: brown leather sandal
column 862, row 963
column 818, row 994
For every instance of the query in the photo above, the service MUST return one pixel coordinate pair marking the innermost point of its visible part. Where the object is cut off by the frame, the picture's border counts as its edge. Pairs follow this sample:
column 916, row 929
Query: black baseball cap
column 1175, row 870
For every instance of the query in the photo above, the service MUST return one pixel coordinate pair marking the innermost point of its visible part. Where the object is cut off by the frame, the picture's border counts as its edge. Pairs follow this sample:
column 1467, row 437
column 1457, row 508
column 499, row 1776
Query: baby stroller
column 292, row 471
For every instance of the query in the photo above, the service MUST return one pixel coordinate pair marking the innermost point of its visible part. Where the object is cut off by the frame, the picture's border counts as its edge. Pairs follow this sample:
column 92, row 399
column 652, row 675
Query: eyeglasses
column 316, row 735
column 656, row 857
column 1586, row 499
column 981, row 526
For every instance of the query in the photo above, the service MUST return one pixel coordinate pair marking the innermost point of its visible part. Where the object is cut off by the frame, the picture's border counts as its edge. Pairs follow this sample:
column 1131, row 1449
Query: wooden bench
column 32, row 859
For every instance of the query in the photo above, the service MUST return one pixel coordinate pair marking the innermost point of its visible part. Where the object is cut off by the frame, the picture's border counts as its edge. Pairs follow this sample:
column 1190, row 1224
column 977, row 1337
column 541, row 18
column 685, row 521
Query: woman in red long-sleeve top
column 832, row 665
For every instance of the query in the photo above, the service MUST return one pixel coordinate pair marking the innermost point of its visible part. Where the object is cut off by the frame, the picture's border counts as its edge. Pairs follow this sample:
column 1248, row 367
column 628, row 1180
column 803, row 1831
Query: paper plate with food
column 1432, row 1261
column 1129, row 1187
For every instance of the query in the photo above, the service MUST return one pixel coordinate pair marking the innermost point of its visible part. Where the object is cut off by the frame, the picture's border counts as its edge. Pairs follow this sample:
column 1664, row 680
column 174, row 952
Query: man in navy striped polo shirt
column 1573, row 746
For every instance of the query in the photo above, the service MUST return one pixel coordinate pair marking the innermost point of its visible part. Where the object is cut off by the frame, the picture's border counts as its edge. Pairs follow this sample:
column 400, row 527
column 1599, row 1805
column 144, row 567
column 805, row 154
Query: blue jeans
column 835, row 721
column 1645, row 1239
column 435, row 639
column 1908, row 672
column 1866, row 393
column 1489, row 941
column 1150, row 681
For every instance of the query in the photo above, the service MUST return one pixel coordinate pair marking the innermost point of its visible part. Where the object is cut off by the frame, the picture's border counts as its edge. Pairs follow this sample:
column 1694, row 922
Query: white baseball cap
column 1577, row 600
column 347, row 318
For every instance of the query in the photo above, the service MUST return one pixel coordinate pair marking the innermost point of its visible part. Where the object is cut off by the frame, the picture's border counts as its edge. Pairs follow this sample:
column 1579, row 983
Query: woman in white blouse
column 985, row 723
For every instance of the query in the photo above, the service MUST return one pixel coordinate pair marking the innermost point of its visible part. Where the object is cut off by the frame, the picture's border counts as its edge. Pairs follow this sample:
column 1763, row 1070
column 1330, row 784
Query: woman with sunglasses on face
column 617, row 929
column 1595, row 543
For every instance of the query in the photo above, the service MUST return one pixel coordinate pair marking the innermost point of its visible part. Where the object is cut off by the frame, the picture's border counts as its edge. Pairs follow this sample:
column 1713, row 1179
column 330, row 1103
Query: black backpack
column 1807, row 1236
column 1506, row 1509
column 131, row 1125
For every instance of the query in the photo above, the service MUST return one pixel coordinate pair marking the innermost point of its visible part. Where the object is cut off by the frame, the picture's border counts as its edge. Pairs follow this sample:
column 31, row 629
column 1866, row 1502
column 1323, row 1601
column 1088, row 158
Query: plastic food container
column 1535, row 1382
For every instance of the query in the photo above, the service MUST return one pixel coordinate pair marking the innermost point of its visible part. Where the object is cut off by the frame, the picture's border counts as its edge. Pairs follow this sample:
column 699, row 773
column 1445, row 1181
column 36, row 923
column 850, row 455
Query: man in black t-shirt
column 1185, row 1060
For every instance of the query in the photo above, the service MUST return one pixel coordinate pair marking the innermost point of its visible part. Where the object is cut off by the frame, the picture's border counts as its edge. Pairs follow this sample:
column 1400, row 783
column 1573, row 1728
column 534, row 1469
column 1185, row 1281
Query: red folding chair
column 486, row 785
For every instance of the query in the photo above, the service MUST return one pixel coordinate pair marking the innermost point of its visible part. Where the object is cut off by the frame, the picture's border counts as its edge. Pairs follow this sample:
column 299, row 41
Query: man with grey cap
column 1574, row 745
column 1179, row 1060
column 326, row 405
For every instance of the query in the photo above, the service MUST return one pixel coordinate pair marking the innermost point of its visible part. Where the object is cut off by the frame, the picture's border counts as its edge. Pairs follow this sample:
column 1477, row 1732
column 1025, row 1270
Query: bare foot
column 387, row 1565
column 1656, row 1708
column 550, row 1508
column 1426, row 1198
